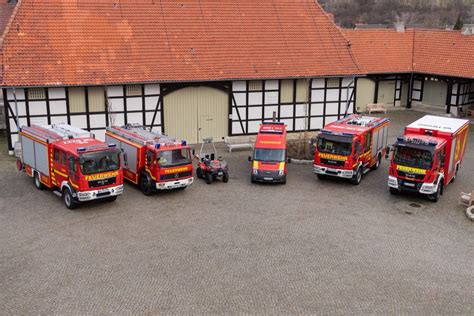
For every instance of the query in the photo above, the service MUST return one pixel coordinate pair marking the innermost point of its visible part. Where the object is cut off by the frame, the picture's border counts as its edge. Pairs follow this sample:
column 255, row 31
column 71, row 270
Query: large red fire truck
column 152, row 160
column 270, row 155
column 72, row 162
column 350, row 147
column 428, row 156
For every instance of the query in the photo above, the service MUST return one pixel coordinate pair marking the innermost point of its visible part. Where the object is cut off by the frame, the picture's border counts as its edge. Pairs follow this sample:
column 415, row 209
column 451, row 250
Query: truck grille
column 176, row 175
column 410, row 176
column 329, row 162
column 101, row 182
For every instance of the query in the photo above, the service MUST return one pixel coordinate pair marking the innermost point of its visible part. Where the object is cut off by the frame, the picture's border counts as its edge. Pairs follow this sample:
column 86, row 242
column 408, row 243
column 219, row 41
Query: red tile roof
column 446, row 53
column 79, row 42
column 381, row 51
column 6, row 10
column 436, row 52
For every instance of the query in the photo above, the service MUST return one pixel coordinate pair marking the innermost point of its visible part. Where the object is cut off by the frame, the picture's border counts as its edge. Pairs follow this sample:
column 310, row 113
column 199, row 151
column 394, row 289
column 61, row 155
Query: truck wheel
column 69, row 199
column 377, row 163
column 357, row 178
column 199, row 172
column 208, row 178
column 470, row 213
column 111, row 198
column 145, row 185
column 435, row 197
column 225, row 178
column 394, row 191
column 283, row 180
column 321, row 176
column 252, row 180
column 37, row 181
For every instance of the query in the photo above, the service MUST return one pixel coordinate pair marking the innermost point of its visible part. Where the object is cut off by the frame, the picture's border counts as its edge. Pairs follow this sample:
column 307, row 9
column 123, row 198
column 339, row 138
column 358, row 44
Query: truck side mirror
column 288, row 160
column 194, row 152
column 250, row 159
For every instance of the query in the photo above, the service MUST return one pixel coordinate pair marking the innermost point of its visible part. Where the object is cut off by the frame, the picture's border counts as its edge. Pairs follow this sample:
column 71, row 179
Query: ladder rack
column 138, row 134
column 56, row 132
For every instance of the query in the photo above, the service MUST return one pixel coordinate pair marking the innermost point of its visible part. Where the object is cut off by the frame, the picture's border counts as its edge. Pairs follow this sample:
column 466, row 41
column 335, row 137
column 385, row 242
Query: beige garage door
column 195, row 113
column 434, row 93
column 387, row 92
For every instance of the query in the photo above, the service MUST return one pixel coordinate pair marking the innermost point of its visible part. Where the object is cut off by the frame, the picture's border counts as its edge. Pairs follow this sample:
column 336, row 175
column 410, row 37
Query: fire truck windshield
column 413, row 157
column 175, row 157
column 99, row 162
column 335, row 145
column 269, row 155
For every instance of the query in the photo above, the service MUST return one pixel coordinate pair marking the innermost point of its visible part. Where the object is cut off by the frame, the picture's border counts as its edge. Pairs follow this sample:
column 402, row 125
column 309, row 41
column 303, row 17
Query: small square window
column 56, row 155
column 255, row 85
column 36, row 94
column 333, row 83
column 134, row 90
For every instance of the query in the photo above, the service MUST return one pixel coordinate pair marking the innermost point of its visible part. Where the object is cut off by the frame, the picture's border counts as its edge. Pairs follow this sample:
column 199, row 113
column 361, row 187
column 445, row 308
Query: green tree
column 459, row 24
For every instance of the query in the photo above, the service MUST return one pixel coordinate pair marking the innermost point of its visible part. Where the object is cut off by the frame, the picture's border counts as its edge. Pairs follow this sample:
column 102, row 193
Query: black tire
column 208, row 178
column 37, row 181
column 225, row 177
column 357, row 178
column 145, row 185
column 111, row 198
column 435, row 197
column 394, row 191
column 199, row 173
column 377, row 163
column 321, row 176
column 69, row 200
column 252, row 180
column 284, row 180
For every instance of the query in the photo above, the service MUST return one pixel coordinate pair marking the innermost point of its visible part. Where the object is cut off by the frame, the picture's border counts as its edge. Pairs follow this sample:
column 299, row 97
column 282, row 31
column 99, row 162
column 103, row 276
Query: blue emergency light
column 81, row 149
column 183, row 142
column 157, row 146
column 112, row 145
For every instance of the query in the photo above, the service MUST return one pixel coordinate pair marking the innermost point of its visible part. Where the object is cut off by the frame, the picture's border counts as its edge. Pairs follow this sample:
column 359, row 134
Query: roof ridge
column 349, row 44
column 5, row 32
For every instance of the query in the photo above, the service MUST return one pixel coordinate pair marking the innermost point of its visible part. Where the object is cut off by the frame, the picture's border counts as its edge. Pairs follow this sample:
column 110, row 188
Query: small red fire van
column 270, row 155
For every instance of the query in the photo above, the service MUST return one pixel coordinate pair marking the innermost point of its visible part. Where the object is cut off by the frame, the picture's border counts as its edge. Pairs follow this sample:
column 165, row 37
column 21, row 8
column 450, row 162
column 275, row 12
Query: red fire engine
column 71, row 162
column 270, row 154
column 350, row 147
column 151, row 160
column 428, row 156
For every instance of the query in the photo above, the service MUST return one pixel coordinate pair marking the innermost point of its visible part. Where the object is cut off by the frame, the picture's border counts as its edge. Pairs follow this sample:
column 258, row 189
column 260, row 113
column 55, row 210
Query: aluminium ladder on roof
column 139, row 135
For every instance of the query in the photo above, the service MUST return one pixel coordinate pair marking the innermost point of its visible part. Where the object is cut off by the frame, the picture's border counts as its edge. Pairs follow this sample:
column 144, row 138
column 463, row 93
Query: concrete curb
column 301, row 162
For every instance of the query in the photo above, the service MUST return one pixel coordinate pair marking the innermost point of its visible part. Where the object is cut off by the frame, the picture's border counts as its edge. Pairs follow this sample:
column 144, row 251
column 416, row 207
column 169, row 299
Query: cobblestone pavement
column 308, row 247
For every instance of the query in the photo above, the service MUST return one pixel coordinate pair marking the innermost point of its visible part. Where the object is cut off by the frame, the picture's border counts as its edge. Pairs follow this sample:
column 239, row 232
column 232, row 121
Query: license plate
column 332, row 170
column 268, row 179
column 220, row 173
column 408, row 184
column 103, row 191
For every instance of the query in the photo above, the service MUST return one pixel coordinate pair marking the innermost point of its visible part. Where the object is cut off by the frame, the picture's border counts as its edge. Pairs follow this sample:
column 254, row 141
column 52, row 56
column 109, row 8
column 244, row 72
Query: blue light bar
column 81, row 149
column 183, row 142
column 157, row 146
column 112, row 145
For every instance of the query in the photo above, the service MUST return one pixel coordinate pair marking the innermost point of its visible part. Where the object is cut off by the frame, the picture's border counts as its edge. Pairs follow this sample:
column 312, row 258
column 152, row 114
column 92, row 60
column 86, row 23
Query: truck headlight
column 281, row 172
column 255, row 171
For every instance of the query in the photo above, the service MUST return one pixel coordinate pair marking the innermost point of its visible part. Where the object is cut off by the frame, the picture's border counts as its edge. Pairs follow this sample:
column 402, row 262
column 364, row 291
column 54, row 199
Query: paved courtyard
column 308, row 247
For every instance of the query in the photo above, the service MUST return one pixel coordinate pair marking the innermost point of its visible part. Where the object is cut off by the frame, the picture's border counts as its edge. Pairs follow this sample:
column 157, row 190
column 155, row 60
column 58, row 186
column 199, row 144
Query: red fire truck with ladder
column 152, row 160
column 351, row 147
column 428, row 156
column 270, row 155
column 72, row 162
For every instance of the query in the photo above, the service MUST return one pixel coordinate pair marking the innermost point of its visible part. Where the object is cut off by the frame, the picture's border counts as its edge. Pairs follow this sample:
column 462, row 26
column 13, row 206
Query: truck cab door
column 72, row 171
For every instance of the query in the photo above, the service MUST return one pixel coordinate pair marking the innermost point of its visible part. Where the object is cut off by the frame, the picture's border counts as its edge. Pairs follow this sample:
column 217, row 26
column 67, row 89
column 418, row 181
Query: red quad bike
column 209, row 168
